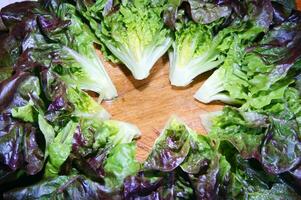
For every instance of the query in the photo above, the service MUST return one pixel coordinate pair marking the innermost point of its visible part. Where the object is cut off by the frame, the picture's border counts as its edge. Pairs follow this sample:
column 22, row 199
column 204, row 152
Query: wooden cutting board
column 151, row 102
column 298, row 4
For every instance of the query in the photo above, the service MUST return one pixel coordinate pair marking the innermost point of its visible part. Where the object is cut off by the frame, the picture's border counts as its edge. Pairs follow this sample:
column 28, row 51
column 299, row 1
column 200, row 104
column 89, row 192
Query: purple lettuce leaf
column 210, row 183
column 59, row 109
column 170, row 149
column 281, row 12
column 20, row 148
column 16, row 12
column 280, row 46
column 63, row 187
column 281, row 147
column 293, row 178
column 260, row 13
column 244, row 131
column 203, row 12
column 158, row 185
column 198, row 173
column 288, row 4
column 29, row 26
column 9, row 50
column 9, row 87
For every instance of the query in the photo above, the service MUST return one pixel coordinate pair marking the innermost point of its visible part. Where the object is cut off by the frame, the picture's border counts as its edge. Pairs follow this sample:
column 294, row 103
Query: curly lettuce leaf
column 60, row 149
column 281, row 147
column 87, row 70
column 171, row 148
column 193, row 53
column 85, row 106
column 136, row 35
column 245, row 131
column 23, row 107
column 201, row 12
column 258, row 75
column 227, row 76
column 182, row 164
column 104, row 151
column 120, row 164
column 277, row 191
column 62, row 187
column 21, row 151
column 18, row 96
column 59, row 39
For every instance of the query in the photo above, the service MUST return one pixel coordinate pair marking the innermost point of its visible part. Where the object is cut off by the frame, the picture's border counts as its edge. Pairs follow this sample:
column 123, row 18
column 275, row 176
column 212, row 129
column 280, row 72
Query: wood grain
column 151, row 102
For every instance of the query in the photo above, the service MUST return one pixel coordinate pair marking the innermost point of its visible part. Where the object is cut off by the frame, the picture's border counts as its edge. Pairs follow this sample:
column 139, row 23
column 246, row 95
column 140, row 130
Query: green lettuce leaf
column 136, row 35
column 60, row 149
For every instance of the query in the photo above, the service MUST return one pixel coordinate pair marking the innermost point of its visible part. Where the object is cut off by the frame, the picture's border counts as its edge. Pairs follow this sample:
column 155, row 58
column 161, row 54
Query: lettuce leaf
column 134, row 33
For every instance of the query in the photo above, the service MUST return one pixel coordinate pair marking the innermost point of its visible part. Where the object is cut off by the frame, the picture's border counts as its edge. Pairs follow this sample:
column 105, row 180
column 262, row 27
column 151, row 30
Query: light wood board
column 298, row 4
column 151, row 102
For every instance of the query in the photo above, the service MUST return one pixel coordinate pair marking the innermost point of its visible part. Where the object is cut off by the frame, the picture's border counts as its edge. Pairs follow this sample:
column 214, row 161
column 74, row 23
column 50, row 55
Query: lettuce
column 186, row 165
column 201, row 44
column 83, row 67
column 194, row 52
column 61, row 187
column 85, row 106
column 268, row 138
column 57, row 142
column 257, row 75
column 227, row 82
column 57, row 40
column 135, row 34
column 20, row 151
column 59, row 149
column 105, row 151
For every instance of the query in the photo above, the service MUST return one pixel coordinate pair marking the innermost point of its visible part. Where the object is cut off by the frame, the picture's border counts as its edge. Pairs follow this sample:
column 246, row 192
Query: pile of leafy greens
column 258, row 73
column 57, row 142
column 57, row 40
column 186, row 165
column 55, row 134
column 203, row 37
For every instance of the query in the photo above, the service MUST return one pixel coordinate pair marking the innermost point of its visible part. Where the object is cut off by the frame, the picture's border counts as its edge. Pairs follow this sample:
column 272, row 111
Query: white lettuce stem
column 213, row 89
column 100, row 81
column 183, row 70
column 140, row 66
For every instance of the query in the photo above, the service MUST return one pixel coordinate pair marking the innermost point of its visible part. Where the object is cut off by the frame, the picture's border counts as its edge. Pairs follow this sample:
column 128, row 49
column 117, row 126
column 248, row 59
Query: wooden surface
column 150, row 103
